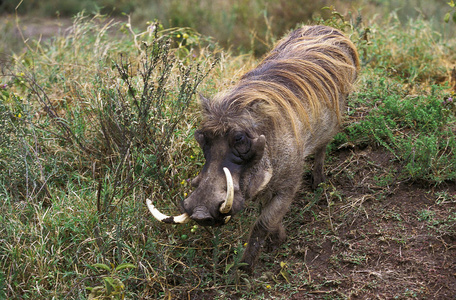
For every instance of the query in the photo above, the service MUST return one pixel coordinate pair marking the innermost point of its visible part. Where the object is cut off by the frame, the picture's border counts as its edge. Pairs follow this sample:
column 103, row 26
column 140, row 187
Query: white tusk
column 226, row 206
column 181, row 219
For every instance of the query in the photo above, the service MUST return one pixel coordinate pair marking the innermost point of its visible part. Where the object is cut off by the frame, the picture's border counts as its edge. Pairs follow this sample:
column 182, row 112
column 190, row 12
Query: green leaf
column 96, row 292
column 109, row 285
column 228, row 267
column 447, row 17
column 102, row 266
column 125, row 266
column 110, row 281
column 454, row 17
column 451, row 3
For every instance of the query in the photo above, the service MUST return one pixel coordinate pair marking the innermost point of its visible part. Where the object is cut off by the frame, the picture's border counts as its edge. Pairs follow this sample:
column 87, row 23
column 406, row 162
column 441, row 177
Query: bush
column 117, row 130
column 415, row 55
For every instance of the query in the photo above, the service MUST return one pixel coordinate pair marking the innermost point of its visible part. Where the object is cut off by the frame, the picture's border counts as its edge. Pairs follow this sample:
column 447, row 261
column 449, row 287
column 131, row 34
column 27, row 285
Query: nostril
column 202, row 217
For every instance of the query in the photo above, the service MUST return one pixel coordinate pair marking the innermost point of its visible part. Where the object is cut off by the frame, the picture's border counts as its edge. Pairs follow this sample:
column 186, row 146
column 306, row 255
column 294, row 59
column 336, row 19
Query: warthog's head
column 219, row 193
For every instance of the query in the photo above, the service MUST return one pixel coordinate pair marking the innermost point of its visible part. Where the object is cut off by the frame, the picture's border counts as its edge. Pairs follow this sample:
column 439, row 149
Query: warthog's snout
column 202, row 216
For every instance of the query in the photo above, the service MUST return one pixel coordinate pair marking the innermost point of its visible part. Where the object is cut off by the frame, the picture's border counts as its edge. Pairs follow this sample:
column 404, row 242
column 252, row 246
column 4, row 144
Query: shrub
column 118, row 122
column 89, row 126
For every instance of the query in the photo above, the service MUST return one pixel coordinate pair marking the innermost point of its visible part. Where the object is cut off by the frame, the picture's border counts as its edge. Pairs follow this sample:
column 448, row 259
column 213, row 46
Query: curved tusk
column 181, row 219
column 226, row 206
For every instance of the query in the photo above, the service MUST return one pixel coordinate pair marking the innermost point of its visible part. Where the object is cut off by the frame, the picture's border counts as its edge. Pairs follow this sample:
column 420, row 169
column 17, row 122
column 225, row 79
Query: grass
column 417, row 129
column 94, row 121
column 242, row 26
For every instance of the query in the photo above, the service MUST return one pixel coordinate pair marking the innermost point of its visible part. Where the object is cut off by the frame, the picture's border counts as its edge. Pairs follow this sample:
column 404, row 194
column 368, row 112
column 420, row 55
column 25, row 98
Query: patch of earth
column 377, row 238
column 26, row 28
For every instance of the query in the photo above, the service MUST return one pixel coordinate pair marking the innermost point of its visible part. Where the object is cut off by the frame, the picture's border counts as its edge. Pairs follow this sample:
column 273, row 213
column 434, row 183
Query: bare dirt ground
column 44, row 28
column 373, row 241
column 26, row 28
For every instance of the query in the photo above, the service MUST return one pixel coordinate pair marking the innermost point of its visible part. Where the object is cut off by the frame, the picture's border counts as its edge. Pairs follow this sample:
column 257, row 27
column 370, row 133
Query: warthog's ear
column 257, row 148
column 204, row 103
column 199, row 137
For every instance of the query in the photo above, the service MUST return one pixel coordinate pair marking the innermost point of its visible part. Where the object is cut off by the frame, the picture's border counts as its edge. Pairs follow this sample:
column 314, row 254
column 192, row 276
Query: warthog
column 256, row 135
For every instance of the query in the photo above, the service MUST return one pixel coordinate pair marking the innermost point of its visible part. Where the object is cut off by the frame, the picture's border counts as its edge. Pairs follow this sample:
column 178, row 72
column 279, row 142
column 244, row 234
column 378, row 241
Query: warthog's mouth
column 201, row 214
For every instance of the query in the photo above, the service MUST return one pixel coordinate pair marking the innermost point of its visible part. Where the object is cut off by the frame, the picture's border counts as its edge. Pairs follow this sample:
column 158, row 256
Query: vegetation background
column 98, row 111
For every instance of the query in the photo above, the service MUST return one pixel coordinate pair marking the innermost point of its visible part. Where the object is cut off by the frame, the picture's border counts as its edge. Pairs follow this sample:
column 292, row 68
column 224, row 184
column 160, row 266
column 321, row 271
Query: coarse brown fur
column 262, row 128
column 312, row 68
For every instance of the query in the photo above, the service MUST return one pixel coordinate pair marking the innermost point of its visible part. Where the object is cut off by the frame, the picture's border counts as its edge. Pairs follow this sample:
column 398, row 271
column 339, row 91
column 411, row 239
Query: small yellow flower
column 185, row 194
column 245, row 244
column 185, row 36
column 19, row 115
column 183, row 182
column 268, row 286
column 192, row 157
column 178, row 35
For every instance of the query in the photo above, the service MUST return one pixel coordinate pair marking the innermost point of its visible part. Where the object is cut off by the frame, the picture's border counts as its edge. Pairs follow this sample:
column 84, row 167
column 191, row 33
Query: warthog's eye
column 241, row 144
column 239, row 138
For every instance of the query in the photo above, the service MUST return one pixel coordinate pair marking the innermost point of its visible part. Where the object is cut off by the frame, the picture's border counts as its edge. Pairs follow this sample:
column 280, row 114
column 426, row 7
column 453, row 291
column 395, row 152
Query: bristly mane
column 312, row 68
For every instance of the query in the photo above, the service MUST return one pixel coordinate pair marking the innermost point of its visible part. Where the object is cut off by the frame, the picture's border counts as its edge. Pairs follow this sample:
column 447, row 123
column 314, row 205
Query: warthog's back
column 311, row 69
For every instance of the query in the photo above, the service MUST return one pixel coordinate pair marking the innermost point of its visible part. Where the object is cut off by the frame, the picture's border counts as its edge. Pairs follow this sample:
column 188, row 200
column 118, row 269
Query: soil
column 26, row 28
column 374, row 240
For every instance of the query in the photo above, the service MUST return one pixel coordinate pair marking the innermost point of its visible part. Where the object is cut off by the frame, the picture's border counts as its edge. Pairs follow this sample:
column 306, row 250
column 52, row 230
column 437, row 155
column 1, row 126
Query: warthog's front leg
column 267, row 227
